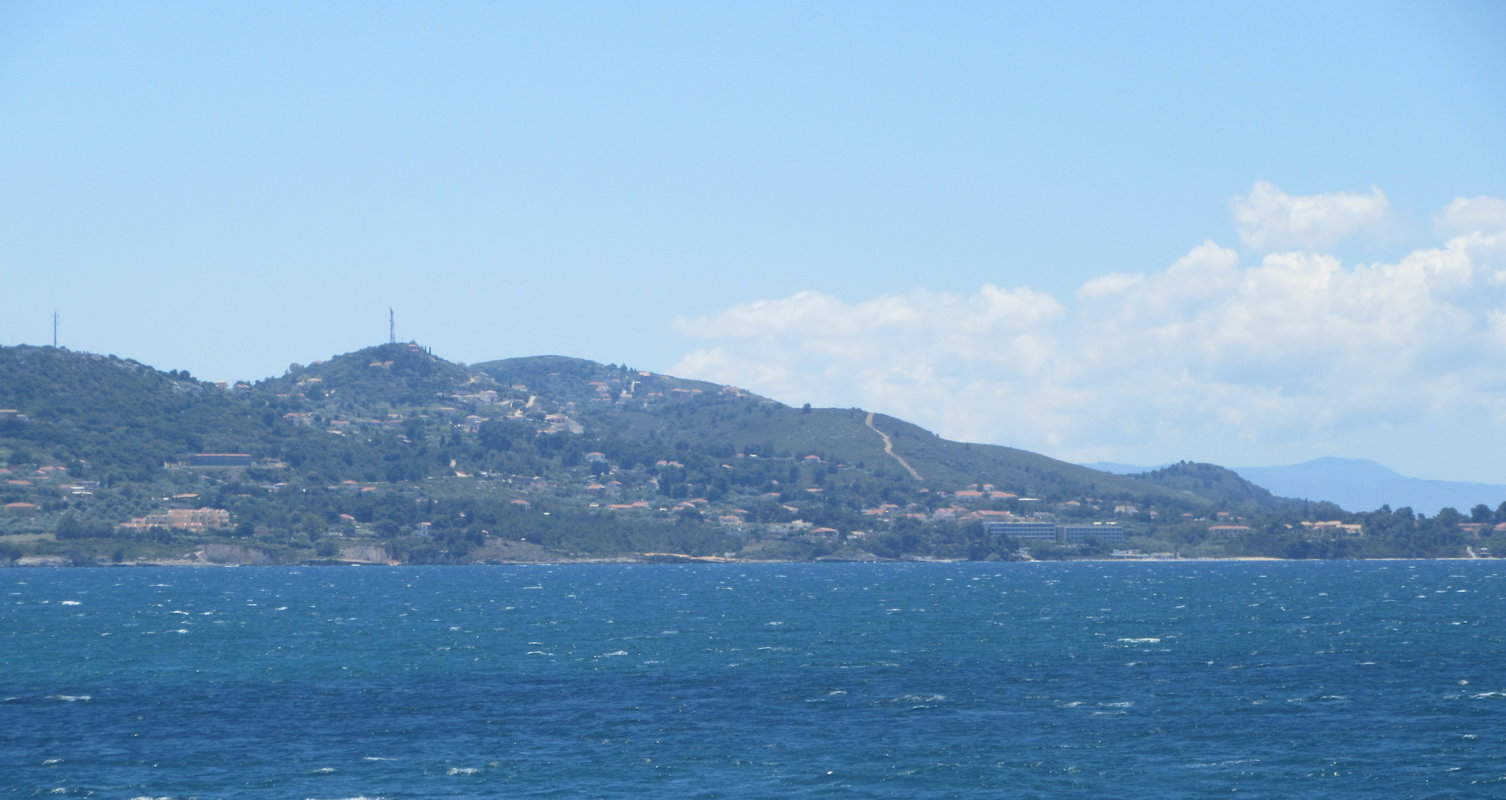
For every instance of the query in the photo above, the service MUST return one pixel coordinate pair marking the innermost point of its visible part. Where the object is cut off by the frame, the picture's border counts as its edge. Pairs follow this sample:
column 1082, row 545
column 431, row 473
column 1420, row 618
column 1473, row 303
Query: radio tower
column 54, row 329
column 391, row 327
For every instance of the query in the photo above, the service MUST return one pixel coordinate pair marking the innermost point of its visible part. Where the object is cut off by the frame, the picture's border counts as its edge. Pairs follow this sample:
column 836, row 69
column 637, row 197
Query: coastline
column 63, row 562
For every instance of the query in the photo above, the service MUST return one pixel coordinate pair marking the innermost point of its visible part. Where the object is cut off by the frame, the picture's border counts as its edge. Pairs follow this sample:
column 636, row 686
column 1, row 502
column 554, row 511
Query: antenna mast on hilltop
column 54, row 329
column 391, row 327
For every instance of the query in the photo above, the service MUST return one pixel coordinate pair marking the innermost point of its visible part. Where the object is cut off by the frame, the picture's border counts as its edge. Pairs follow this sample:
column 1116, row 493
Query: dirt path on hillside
column 889, row 449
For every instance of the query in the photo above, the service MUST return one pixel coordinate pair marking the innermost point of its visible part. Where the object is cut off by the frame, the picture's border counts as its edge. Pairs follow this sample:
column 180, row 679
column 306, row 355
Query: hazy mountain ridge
column 1354, row 484
column 1361, row 485
column 1221, row 484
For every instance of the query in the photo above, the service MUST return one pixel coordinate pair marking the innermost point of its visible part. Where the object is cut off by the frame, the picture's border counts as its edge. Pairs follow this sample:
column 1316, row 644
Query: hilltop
column 1355, row 484
column 392, row 453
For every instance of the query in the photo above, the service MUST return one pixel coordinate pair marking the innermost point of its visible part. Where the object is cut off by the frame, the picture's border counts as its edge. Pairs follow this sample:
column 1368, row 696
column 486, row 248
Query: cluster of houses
column 616, row 391
column 51, row 478
column 1032, row 527
column 197, row 520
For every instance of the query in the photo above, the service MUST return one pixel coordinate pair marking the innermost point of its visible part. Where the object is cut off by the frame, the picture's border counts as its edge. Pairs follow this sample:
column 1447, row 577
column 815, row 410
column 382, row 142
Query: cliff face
column 368, row 554
column 237, row 554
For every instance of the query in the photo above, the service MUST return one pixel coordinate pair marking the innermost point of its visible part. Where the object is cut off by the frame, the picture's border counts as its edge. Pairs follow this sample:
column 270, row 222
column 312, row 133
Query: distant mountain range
column 1355, row 484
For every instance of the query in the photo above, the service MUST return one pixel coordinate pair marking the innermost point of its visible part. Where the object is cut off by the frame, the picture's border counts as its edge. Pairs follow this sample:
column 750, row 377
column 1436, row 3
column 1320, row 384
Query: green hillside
column 114, row 419
column 1218, row 484
column 727, row 420
column 391, row 453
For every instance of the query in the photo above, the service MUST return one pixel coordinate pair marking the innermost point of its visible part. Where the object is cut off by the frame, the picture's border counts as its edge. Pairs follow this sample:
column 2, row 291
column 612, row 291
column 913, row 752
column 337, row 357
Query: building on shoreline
column 1106, row 532
column 188, row 519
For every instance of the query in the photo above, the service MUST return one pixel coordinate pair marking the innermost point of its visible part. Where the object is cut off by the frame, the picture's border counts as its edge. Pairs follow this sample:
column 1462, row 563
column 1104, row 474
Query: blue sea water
column 1190, row 679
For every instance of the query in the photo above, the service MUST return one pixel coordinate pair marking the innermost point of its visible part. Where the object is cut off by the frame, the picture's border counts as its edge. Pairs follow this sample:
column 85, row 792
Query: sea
column 915, row 680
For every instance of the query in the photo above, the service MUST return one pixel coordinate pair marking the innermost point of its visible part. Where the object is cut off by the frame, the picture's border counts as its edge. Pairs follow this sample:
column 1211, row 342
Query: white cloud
column 1210, row 358
column 916, row 355
column 1466, row 215
column 1269, row 219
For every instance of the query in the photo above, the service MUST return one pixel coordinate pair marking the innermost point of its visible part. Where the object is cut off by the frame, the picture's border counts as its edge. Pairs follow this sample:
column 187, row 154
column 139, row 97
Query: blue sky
column 1251, row 234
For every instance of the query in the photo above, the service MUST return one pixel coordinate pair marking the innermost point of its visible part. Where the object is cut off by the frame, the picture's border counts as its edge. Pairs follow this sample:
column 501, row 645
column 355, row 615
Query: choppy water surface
column 894, row 680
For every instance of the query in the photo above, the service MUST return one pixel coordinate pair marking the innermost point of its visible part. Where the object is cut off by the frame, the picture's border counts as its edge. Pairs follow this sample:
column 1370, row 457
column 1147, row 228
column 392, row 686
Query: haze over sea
column 1317, row 679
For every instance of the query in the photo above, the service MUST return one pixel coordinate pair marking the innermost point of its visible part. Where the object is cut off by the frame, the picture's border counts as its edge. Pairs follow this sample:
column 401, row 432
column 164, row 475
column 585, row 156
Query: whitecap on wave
column 917, row 701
